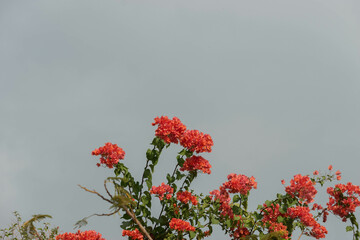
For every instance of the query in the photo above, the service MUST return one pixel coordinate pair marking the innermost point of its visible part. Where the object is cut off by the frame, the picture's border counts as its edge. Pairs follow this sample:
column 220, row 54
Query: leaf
column 80, row 223
column 236, row 198
column 147, row 173
column 192, row 234
column 149, row 183
column 214, row 220
column 149, row 155
column 349, row 228
column 268, row 203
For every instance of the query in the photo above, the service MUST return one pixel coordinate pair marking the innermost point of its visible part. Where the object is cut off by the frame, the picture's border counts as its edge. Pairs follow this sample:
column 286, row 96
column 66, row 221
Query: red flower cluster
column 110, row 154
column 344, row 199
column 185, row 197
column 180, row 225
column 196, row 141
column 240, row 231
column 303, row 213
column 240, row 184
column 196, row 163
column 162, row 190
column 135, row 234
column 338, row 175
column 271, row 215
column 169, row 130
column 302, row 187
column 174, row 131
column 224, row 198
column 86, row 235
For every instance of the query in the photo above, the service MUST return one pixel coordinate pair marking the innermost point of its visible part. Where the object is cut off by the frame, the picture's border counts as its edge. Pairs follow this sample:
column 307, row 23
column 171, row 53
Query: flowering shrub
column 185, row 214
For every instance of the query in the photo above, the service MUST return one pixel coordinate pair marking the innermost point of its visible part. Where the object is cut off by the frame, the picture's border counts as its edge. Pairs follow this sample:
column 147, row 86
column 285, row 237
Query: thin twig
column 107, row 189
column 162, row 209
column 95, row 192
column 301, row 234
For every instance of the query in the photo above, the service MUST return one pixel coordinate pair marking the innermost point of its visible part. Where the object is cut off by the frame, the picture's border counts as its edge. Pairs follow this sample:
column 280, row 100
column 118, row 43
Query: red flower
column 270, row 218
column 135, row 234
column 110, row 154
column 302, row 187
column 86, row 235
column 316, row 173
column 224, row 198
column 180, row 225
column 169, row 130
column 280, row 228
column 344, row 199
column 330, row 167
column 185, row 197
column 240, row 184
column 162, row 190
column 196, row 141
column 272, row 213
column 306, row 218
column 207, row 233
column 196, row 163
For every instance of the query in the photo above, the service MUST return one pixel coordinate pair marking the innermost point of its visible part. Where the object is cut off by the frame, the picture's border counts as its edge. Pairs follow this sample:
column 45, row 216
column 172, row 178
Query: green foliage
column 27, row 230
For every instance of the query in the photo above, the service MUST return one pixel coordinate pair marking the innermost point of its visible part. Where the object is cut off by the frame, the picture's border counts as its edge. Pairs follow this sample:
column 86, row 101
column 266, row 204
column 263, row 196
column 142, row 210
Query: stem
column 132, row 215
column 162, row 209
column 301, row 234
column 142, row 182
column 96, row 194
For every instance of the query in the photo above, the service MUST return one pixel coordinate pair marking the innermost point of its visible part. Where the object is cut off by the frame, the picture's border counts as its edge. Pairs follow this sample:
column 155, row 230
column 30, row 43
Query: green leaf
column 236, row 198
column 214, row 220
column 149, row 154
column 349, row 228
column 192, row 234
column 147, row 173
column 144, row 200
column 149, row 183
column 126, row 224
column 268, row 203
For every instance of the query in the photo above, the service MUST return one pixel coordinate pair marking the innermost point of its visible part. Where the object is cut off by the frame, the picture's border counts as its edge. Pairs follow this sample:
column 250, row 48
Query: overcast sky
column 275, row 83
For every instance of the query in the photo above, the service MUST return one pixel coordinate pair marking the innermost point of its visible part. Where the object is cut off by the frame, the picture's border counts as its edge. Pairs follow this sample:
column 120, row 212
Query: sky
column 275, row 83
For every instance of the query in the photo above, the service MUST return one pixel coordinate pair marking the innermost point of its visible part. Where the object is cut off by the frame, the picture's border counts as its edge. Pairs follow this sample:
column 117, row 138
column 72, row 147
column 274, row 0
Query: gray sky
column 275, row 83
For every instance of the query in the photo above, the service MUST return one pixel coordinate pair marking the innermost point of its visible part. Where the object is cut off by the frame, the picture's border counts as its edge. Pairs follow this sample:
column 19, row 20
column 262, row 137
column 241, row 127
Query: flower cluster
column 162, row 190
column 174, row 131
column 270, row 218
column 306, row 218
column 86, row 235
column 271, row 213
column 224, row 199
column 196, row 163
column 180, row 225
column 239, row 231
column 344, row 199
column 185, row 197
column 169, row 130
column 240, row 184
column 279, row 228
column 196, row 141
column 302, row 187
column 110, row 154
column 135, row 234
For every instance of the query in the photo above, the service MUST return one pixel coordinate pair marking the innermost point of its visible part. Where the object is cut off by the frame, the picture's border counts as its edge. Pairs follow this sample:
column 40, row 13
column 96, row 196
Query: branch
column 95, row 192
column 132, row 215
